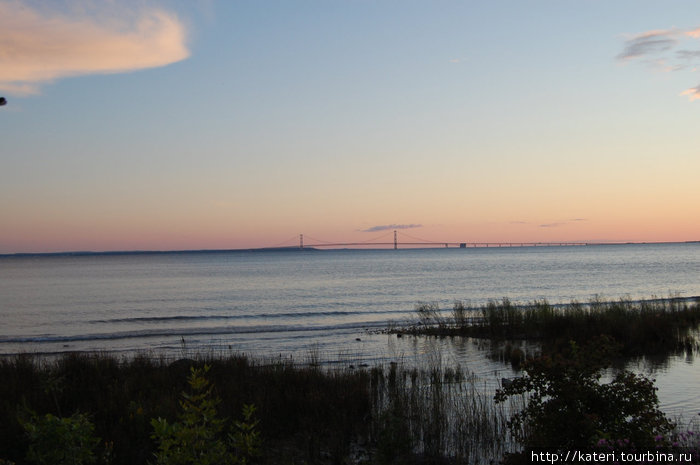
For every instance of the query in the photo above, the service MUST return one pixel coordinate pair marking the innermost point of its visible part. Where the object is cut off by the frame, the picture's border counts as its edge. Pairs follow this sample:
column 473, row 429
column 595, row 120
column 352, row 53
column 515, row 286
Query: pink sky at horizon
column 65, row 239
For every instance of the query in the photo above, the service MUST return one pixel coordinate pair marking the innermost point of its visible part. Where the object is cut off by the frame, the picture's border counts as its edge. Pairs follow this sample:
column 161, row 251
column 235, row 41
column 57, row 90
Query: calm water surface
column 319, row 303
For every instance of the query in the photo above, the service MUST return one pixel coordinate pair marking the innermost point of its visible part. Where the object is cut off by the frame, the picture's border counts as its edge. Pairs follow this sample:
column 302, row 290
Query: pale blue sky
column 477, row 120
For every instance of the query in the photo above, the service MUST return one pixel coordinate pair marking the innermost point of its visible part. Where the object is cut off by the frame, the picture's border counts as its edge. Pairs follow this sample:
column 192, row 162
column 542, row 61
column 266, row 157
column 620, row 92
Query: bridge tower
column 301, row 241
column 396, row 242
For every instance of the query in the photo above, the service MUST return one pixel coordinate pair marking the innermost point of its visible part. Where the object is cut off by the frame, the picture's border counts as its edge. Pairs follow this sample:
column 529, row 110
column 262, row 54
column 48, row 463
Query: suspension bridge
column 401, row 239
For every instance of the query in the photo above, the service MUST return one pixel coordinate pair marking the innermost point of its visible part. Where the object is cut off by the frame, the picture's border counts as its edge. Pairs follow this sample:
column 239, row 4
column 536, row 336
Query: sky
column 171, row 125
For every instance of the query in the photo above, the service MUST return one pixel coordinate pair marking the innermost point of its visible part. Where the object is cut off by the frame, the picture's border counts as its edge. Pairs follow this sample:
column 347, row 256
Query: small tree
column 246, row 438
column 197, row 438
column 568, row 407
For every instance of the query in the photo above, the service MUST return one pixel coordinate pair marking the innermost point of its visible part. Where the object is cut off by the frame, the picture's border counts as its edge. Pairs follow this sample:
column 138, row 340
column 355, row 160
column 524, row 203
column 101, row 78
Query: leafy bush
column 55, row 440
column 568, row 406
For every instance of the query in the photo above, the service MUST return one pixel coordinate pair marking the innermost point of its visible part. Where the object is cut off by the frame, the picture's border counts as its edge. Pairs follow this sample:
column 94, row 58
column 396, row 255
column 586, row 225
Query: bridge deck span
column 450, row 244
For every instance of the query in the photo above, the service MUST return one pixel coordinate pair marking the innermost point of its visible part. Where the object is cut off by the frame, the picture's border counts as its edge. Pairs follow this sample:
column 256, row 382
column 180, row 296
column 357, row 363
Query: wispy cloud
column 39, row 45
column 653, row 48
column 385, row 227
column 693, row 93
column 650, row 42
column 694, row 33
column 562, row 223
column 688, row 54
column 655, row 42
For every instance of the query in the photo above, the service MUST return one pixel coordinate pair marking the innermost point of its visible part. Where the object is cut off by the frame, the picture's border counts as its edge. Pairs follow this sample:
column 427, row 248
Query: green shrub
column 55, row 441
column 568, row 406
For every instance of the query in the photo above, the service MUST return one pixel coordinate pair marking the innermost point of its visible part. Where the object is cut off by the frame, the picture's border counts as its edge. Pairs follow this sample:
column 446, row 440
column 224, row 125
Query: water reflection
column 674, row 373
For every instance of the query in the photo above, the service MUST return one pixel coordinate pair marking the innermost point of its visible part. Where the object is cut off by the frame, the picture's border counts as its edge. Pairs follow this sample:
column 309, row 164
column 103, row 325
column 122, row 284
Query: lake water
column 322, row 304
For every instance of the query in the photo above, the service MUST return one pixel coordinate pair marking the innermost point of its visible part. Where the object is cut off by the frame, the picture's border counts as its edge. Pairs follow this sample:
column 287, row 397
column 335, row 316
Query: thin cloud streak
column 562, row 223
column 386, row 227
column 694, row 33
column 648, row 43
column 651, row 47
column 693, row 93
column 688, row 54
column 38, row 47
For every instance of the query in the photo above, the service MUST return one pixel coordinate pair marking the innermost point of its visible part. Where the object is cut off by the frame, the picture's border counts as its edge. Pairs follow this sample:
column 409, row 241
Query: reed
column 437, row 415
column 310, row 413
column 642, row 327
column 306, row 413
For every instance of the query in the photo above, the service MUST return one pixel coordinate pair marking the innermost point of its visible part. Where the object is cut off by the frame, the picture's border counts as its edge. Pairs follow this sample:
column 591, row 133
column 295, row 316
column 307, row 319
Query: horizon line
column 321, row 247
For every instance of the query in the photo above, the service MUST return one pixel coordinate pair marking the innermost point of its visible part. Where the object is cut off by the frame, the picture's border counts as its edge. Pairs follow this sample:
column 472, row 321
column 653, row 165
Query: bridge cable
column 419, row 239
column 379, row 237
column 294, row 240
column 317, row 240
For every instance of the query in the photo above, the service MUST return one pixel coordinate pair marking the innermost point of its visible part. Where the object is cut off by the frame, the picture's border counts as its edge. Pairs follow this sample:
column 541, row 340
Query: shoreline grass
column 311, row 414
column 307, row 414
column 304, row 414
column 639, row 327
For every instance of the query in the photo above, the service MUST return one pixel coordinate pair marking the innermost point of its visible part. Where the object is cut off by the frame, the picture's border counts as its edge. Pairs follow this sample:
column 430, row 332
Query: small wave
column 146, row 333
column 257, row 316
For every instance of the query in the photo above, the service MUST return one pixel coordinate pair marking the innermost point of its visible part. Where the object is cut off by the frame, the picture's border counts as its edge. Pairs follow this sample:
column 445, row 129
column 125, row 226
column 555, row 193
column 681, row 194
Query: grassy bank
column 304, row 414
column 656, row 325
column 308, row 414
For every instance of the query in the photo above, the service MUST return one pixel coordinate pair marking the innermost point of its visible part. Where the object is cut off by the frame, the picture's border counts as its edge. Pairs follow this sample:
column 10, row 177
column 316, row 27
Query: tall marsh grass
column 437, row 412
column 655, row 325
column 307, row 413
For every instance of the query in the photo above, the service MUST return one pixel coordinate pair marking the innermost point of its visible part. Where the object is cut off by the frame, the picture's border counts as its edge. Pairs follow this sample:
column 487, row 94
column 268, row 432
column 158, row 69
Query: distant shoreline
column 153, row 252
column 78, row 253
